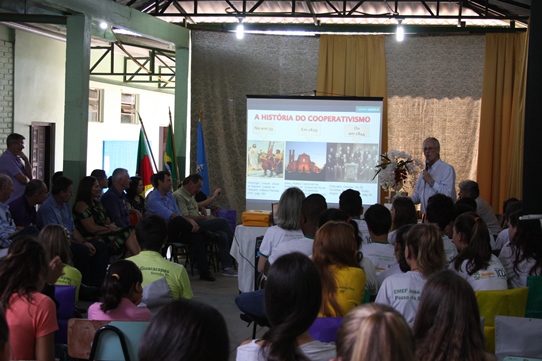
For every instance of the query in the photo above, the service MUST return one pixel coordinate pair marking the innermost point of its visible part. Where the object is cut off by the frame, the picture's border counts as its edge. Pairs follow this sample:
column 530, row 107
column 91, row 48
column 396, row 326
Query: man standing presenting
column 438, row 177
column 189, row 209
column 185, row 230
column 14, row 163
column 114, row 200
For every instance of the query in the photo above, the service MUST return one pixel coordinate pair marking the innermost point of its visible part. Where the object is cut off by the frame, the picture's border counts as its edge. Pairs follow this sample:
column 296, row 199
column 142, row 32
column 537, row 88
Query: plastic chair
column 534, row 300
column 324, row 329
column 65, row 296
column 517, row 336
column 499, row 303
column 104, row 340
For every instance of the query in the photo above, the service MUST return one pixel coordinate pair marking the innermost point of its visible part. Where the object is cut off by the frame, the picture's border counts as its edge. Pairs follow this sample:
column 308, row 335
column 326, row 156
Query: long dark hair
column 121, row 277
column 131, row 192
column 447, row 324
column 185, row 330
column 334, row 245
column 293, row 294
column 84, row 191
column 405, row 212
column 400, row 241
column 22, row 270
column 527, row 242
column 478, row 249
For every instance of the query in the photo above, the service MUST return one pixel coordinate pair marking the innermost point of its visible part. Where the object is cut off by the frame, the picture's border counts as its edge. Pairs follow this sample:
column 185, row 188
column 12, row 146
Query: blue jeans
column 252, row 303
column 220, row 227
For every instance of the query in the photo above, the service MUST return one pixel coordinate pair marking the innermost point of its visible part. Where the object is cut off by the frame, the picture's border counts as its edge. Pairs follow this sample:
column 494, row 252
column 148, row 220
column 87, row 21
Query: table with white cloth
column 243, row 249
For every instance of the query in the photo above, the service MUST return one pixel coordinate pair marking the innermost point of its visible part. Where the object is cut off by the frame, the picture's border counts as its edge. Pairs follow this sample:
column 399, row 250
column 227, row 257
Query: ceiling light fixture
column 240, row 31
column 400, row 35
column 103, row 25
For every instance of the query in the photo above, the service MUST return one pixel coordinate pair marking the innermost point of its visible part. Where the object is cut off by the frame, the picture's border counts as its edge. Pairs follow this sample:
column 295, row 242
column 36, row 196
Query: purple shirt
column 23, row 213
column 126, row 311
column 115, row 205
column 12, row 165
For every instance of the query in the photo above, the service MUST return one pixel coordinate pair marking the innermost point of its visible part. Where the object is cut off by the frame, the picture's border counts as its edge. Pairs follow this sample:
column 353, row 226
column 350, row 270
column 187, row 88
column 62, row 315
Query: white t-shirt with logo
column 493, row 278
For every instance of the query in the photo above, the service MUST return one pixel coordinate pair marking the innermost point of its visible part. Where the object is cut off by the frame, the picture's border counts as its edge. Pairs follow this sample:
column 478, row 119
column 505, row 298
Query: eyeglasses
column 428, row 149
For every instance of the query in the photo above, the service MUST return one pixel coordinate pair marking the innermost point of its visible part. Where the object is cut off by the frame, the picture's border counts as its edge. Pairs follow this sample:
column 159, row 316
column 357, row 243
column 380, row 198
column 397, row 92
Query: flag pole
column 174, row 148
column 147, row 140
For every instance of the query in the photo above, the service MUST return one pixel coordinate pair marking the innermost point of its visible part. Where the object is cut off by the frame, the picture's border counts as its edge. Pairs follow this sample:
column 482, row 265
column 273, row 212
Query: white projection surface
column 319, row 144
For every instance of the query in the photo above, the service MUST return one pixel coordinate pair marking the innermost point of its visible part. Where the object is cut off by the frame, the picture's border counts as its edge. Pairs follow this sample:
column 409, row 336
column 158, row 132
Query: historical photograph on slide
column 305, row 161
column 265, row 159
column 350, row 162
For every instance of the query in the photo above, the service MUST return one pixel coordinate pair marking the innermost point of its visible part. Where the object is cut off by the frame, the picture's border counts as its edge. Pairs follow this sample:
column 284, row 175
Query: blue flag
column 201, row 168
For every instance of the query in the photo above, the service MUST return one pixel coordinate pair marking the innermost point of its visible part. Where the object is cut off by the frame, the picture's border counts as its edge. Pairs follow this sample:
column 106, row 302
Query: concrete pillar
column 77, row 92
column 181, row 119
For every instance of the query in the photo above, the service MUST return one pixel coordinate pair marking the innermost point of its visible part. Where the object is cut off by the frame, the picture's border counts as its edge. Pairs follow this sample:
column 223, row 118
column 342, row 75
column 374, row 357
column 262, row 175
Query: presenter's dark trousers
column 180, row 230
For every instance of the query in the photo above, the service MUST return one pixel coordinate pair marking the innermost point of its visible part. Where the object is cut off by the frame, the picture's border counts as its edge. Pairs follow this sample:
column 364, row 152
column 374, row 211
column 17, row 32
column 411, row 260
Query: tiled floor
column 221, row 295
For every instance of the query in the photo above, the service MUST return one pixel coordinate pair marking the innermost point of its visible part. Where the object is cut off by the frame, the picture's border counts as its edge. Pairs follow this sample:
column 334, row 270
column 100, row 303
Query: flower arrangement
column 394, row 170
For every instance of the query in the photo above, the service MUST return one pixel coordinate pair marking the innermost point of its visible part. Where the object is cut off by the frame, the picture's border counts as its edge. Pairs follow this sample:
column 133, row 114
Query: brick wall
column 6, row 91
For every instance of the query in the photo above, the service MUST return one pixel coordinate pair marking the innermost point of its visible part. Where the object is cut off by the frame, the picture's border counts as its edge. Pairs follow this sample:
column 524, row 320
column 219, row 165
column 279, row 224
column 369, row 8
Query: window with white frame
column 95, row 105
column 129, row 108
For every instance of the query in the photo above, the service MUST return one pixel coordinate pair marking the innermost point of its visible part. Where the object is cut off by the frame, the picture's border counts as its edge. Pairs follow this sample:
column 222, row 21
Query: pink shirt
column 126, row 311
column 28, row 321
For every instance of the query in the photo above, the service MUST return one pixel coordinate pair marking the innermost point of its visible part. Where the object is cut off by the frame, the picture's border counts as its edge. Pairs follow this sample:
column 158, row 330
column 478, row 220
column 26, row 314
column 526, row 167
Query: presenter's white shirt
column 493, row 278
column 403, row 292
column 275, row 236
column 381, row 254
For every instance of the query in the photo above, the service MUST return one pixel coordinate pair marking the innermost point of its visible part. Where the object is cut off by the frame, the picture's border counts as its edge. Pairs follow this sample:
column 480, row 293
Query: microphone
column 427, row 165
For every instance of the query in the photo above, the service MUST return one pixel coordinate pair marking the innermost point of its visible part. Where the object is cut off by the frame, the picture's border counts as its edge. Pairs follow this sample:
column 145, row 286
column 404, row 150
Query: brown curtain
column 500, row 160
column 354, row 66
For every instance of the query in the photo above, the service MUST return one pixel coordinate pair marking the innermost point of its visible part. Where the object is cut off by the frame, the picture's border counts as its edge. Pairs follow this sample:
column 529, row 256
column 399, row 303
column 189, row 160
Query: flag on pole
column 144, row 168
column 201, row 168
column 170, row 163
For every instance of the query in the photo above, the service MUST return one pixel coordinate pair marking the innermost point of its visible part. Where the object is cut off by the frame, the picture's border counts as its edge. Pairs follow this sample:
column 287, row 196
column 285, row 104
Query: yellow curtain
column 500, row 157
column 354, row 66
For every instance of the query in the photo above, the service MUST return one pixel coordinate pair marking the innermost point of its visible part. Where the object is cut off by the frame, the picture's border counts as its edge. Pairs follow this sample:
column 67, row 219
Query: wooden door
column 41, row 155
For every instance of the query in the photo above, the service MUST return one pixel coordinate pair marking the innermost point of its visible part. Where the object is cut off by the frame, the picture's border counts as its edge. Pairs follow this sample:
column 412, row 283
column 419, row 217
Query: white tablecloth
column 243, row 249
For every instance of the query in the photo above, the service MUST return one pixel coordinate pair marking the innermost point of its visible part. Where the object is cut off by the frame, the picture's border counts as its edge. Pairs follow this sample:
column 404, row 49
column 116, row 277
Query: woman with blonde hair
column 425, row 255
column 447, row 326
column 335, row 256
column 374, row 332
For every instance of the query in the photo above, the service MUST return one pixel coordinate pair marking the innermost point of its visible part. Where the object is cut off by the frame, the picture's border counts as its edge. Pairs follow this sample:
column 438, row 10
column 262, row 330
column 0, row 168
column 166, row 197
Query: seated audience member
column 447, row 325
column 90, row 256
column 403, row 211
column 189, row 209
column 7, row 225
column 287, row 228
column 374, row 332
column 350, row 201
column 23, row 209
column 335, row 257
column 114, row 200
column 399, row 248
column 121, row 293
column 470, row 189
column 334, row 214
column 102, row 179
column 311, row 207
column 4, row 338
column 151, row 234
column 15, row 165
column 161, row 202
column 474, row 261
column 424, row 254
column 92, row 222
column 186, row 330
column 30, row 315
column 522, row 255
column 292, row 300
column 56, row 242
column 379, row 251
column 134, row 195
column 439, row 211
column 502, row 238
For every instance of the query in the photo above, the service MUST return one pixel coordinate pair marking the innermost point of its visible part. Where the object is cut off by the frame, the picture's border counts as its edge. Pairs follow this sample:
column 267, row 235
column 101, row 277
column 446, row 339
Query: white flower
column 396, row 170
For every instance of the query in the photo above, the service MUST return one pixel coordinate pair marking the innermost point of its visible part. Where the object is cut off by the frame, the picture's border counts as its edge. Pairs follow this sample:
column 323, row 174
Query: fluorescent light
column 400, row 32
column 240, row 31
